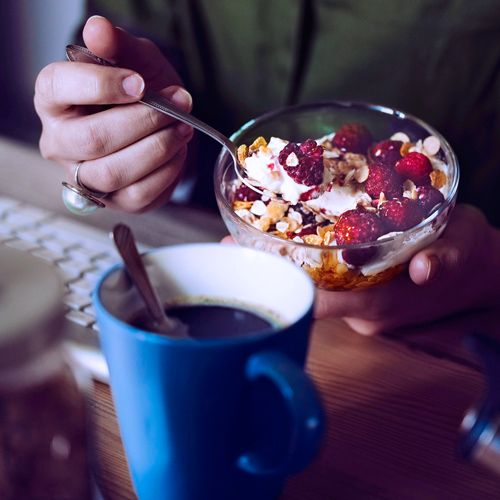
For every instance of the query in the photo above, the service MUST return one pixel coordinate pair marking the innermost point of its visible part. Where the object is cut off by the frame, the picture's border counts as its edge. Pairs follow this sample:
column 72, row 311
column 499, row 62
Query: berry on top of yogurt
column 386, row 152
column 353, row 137
column 416, row 167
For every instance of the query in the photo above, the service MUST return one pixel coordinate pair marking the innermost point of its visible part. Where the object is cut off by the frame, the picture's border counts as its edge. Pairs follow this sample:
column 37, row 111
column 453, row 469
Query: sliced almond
column 400, row 136
column 258, row 208
column 362, row 173
column 328, row 238
column 432, row 145
column 282, row 226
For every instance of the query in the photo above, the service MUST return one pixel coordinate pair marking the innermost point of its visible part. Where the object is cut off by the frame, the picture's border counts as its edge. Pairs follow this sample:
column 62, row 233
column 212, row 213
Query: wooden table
column 393, row 406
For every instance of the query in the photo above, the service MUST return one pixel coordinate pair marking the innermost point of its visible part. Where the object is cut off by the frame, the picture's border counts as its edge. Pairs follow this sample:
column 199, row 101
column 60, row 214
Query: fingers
column 126, row 166
column 228, row 240
column 94, row 136
column 61, row 85
column 449, row 254
column 151, row 191
column 126, row 50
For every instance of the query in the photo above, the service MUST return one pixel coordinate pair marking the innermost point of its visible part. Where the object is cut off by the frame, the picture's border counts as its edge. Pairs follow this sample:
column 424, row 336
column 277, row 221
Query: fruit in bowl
column 348, row 191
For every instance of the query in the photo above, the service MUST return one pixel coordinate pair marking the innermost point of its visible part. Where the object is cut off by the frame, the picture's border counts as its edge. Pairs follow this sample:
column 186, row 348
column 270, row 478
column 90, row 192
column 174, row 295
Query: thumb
column 125, row 50
column 451, row 253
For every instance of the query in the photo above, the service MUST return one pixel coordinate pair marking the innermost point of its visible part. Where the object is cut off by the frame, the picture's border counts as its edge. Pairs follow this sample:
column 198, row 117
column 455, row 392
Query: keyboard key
column 89, row 310
column 80, row 318
column 82, row 286
column 26, row 246
column 26, row 216
column 6, row 232
column 71, row 265
column 83, row 254
column 7, row 204
column 104, row 263
column 48, row 255
column 52, row 243
column 70, row 274
column 77, row 301
column 33, row 235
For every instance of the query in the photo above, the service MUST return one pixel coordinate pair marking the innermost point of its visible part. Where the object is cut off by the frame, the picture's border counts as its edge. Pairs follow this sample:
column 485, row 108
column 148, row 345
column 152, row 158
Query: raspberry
column 416, row 167
column 400, row 214
column 386, row 152
column 428, row 197
column 358, row 226
column 306, row 167
column 244, row 193
column 353, row 137
column 311, row 148
column 383, row 179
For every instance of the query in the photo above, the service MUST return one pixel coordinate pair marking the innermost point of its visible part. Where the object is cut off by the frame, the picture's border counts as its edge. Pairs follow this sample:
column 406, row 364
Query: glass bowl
column 326, row 265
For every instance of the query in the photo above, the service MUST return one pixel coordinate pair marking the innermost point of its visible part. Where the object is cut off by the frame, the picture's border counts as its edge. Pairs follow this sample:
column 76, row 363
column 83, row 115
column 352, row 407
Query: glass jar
column 43, row 451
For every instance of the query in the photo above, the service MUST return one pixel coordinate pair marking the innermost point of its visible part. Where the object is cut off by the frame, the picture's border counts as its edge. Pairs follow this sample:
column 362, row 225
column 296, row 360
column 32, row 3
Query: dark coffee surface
column 209, row 321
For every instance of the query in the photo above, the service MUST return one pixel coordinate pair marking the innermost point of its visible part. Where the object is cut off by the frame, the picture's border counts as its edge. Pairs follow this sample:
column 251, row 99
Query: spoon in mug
column 125, row 244
column 80, row 200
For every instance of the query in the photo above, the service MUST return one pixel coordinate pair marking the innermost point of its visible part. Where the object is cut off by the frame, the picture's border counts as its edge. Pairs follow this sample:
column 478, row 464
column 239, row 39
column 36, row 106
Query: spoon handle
column 125, row 244
column 161, row 104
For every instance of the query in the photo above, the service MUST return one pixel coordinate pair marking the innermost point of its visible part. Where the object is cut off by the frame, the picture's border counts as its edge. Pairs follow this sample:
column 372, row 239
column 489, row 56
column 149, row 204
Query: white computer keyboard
column 80, row 253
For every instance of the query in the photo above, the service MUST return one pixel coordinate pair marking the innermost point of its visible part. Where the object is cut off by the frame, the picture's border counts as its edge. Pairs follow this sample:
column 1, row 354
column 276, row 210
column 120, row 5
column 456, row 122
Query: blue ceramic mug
column 213, row 418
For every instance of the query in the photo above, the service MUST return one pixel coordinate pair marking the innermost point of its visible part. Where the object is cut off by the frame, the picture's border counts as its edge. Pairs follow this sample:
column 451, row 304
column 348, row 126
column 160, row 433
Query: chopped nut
column 293, row 225
column 341, row 268
column 263, row 223
column 276, row 210
column 322, row 230
column 405, row 148
column 242, row 153
column 438, row 178
column 259, row 142
column 313, row 239
column 239, row 205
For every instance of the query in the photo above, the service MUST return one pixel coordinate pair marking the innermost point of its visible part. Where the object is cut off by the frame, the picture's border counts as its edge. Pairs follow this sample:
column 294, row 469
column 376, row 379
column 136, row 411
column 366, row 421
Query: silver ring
column 79, row 183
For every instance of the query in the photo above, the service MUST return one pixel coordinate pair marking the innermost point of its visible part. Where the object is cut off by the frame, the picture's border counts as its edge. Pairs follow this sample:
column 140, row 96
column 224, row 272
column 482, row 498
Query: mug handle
column 304, row 408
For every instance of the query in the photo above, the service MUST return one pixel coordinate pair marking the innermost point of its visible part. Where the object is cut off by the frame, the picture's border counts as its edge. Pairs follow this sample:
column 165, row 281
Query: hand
column 458, row 272
column 130, row 151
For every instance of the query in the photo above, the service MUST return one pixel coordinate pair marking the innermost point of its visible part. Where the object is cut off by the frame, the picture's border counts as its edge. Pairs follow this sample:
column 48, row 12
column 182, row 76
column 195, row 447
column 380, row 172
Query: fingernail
column 95, row 16
column 433, row 266
column 182, row 98
column 133, row 85
column 183, row 129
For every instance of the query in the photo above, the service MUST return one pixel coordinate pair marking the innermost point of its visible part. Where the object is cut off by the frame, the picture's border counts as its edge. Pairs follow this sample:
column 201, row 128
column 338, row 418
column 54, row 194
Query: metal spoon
column 79, row 200
column 125, row 243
